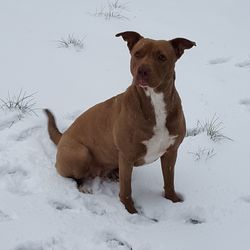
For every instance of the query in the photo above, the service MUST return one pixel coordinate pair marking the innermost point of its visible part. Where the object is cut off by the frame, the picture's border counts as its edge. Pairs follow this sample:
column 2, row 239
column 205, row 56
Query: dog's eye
column 137, row 54
column 162, row 58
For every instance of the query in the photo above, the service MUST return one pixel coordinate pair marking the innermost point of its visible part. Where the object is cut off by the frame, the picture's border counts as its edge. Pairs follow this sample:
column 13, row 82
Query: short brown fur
column 110, row 135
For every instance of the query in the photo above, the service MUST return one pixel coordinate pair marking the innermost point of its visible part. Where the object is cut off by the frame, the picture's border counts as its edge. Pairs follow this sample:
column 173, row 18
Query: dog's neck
column 143, row 97
column 167, row 88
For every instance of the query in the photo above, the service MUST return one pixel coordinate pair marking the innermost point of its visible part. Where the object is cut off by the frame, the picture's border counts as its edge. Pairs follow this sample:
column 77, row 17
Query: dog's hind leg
column 73, row 160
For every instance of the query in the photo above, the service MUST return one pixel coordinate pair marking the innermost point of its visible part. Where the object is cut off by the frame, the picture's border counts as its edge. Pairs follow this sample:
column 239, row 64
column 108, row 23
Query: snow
column 41, row 210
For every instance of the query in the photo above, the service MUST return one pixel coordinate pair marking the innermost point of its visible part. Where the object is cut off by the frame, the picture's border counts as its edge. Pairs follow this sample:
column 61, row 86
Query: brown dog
column 131, row 129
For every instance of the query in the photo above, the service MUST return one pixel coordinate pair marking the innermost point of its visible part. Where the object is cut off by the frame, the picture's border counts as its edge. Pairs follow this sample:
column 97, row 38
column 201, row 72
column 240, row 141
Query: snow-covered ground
column 39, row 210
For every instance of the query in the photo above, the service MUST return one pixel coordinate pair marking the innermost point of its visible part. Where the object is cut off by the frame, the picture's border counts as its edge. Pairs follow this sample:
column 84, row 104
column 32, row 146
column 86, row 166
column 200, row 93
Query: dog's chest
column 161, row 140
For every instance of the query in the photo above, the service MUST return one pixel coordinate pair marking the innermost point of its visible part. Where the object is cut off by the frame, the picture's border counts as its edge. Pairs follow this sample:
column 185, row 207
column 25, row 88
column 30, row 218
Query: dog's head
column 153, row 61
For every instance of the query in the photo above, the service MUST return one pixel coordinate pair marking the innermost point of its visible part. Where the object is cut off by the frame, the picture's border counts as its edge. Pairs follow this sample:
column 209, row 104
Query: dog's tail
column 54, row 134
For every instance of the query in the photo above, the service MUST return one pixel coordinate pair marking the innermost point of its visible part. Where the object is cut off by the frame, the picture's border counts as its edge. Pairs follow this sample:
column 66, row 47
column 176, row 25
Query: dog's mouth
column 141, row 83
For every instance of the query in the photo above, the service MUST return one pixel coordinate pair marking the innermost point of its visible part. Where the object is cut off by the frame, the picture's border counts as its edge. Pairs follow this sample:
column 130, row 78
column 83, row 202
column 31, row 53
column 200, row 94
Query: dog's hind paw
column 83, row 189
column 113, row 175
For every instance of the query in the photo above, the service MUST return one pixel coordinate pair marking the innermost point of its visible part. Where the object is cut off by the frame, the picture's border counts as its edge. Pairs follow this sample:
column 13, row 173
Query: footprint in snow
column 243, row 64
column 194, row 216
column 95, row 208
column 113, row 242
column 27, row 133
column 59, row 205
column 13, row 180
column 245, row 102
column 194, row 220
column 219, row 60
column 51, row 244
column 4, row 216
column 246, row 199
column 14, row 172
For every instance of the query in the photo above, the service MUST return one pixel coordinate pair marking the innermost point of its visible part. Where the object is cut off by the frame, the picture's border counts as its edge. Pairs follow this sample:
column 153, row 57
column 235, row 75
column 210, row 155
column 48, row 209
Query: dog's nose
column 143, row 71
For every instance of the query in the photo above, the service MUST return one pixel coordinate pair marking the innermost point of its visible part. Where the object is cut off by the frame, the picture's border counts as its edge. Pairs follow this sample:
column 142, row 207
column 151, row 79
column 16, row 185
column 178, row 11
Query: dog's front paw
column 129, row 204
column 174, row 197
column 130, row 208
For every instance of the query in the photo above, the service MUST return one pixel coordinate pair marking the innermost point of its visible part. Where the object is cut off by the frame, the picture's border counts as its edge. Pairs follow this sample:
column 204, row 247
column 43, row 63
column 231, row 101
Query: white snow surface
column 40, row 210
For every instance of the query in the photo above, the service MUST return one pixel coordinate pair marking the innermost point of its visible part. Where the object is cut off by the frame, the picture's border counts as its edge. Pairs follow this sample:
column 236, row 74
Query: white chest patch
column 157, row 145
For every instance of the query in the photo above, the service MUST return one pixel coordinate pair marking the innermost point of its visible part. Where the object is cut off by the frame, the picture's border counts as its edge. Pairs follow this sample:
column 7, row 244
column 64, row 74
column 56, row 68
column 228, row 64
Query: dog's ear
column 131, row 37
column 180, row 44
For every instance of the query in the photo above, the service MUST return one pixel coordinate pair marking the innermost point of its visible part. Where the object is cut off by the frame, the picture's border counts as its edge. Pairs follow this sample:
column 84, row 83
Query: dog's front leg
column 125, row 173
column 167, row 164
